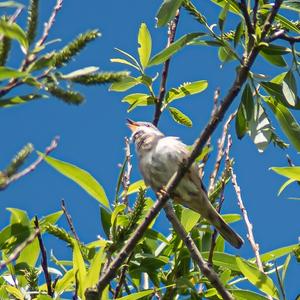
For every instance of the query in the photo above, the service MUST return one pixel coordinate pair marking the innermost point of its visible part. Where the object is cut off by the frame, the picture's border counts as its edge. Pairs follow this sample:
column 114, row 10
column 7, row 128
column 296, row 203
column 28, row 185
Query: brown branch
column 35, row 164
column 221, row 152
column 254, row 12
column 214, row 109
column 50, row 23
column 127, row 173
column 165, row 71
column 44, row 259
column 240, row 79
column 205, row 268
column 69, row 219
column 281, row 35
column 19, row 249
column 243, row 7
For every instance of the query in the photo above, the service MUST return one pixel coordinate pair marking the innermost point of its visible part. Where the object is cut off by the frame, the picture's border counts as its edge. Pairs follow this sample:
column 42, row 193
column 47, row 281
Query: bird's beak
column 132, row 125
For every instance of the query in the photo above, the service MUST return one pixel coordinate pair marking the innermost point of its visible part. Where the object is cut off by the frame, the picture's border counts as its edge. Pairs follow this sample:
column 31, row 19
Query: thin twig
column 219, row 207
column 205, row 268
column 281, row 35
column 254, row 13
column 126, row 176
column 209, row 129
column 19, row 249
column 208, row 144
column 165, row 71
column 49, row 24
column 44, row 259
column 249, row 226
column 221, row 152
column 69, row 219
column 34, row 165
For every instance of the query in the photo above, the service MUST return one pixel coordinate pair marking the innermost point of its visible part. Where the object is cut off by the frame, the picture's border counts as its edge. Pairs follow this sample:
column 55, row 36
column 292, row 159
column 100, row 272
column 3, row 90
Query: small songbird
column 159, row 158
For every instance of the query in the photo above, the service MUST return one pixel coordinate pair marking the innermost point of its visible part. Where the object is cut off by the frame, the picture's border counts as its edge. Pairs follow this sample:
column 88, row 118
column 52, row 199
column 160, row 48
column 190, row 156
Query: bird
column 159, row 157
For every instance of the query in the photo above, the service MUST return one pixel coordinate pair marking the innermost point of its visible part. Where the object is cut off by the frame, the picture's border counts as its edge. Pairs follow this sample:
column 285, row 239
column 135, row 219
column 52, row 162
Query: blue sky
column 92, row 135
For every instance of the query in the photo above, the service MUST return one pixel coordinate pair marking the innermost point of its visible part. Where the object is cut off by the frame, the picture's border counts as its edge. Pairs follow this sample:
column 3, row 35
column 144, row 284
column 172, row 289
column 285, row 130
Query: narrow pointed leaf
column 165, row 54
column 135, row 187
column 9, row 73
column 79, row 268
column 283, row 187
column 257, row 278
column 247, row 295
column 124, row 85
column 124, row 62
column 144, row 39
column 84, row 179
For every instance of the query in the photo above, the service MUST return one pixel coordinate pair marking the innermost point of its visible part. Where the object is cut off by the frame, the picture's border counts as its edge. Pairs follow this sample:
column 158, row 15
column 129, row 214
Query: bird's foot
column 162, row 193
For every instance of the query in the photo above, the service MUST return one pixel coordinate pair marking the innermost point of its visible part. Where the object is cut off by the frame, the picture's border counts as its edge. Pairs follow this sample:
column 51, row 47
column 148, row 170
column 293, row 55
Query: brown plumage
column 159, row 158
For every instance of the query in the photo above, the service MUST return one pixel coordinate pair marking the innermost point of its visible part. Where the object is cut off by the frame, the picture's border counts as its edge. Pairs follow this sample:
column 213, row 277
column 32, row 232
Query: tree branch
column 214, row 121
column 205, row 268
column 34, row 165
column 44, row 259
column 165, row 71
column 69, row 219
column 243, row 7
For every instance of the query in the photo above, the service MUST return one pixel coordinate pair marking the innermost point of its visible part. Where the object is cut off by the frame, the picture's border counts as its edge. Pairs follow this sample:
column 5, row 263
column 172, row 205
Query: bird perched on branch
column 159, row 158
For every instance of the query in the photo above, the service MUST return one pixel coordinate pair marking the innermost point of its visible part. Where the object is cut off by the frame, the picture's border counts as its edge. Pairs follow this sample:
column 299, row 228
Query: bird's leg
column 162, row 192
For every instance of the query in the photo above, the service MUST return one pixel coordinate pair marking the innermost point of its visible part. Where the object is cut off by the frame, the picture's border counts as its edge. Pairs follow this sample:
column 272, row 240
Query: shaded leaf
column 84, row 179
column 276, row 60
column 225, row 54
column 180, row 117
column 223, row 16
column 167, row 11
column 9, row 102
column 9, row 73
column 172, row 49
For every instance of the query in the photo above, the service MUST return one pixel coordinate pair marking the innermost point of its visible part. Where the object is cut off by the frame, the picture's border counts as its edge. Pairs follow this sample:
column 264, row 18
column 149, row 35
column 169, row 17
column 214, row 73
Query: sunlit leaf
column 225, row 54
column 257, row 278
column 79, row 268
column 231, row 218
column 189, row 219
column 124, row 62
column 9, row 102
column 167, row 11
column 285, row 267
column 145, row 42
column 84, row 179
column 287, row 23
column 124, row 85
column 172, row 49
column 14, row 31
column 246, row 295
column 9, row 73
column 135, row 187
column 283, row 187
column 138, row 99
column 186, row 89
column 15, row 292
column 223, row 16
column 233, row 5
column 180, row 117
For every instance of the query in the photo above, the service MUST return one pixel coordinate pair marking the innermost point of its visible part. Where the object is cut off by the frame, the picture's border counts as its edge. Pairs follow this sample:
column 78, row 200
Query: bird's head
column 143, row 134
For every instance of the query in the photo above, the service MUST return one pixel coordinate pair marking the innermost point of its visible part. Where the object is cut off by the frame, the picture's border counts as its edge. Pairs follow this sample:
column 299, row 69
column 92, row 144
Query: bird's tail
column 227, row 233
column 206, row 209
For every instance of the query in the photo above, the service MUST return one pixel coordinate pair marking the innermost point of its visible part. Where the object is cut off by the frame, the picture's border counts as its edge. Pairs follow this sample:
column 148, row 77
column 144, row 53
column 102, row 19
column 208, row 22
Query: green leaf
column 15, row 32
column 105, row 220
column 289, row 88
column 222, row 259
column 94, row 269
column 138, row 99
column 238, row 34
column 223, row 16
column 144, row 39
column 225, row 54
column 30, row 254
column 80, row 72
column 257, row 278
column 167, row 11
column 135, row 62
column 276, row 60
column 84, row 179
column 234, row 8
column 276, row 50
column 124, row 62
column 231, row 218
column 260, row 128
column 124, row 85
column 79, row 268
column 186, row 89
column 287, row 23
column 283, row 187
column 189, row 219
column 165, row 54
column 15, row 292
column 9, row 102
column 286, row 120
column 277, row 253
column 285, row 267
column 245, row 112
column 135, row 187
column 180, row 117
column 11, row 4
column 43, row 62
column 137, row 295
column 246, row 295
column 9, row 73
column 289, row 172
column 18, row 216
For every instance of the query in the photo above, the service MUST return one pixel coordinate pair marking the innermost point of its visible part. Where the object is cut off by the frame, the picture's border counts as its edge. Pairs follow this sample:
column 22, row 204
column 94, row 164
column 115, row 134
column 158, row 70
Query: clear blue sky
column 92, row 135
